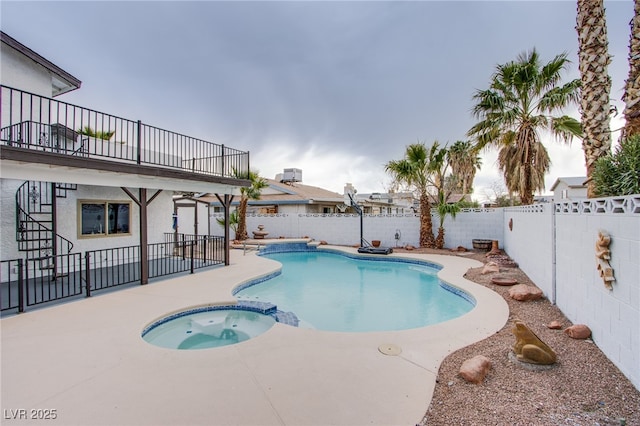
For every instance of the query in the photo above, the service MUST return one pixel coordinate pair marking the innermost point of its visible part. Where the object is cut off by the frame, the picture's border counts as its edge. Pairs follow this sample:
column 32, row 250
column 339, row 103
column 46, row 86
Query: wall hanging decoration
column 603, row 255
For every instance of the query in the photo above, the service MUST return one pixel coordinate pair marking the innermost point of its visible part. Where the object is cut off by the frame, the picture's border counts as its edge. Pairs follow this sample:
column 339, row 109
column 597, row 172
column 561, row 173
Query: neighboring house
column 287, row 194
column 569, row 188
column 386, row 203
column 93, row 192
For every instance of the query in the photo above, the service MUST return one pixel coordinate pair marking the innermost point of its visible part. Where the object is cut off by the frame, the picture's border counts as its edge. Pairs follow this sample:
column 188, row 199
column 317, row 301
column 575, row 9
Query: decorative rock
column 502, row 260
column 554, row 325
column 490, row 267
column 523, row 292
column 409, row 247
column 578, row 331
column 323, row 243
column 475, row 369
column 504, row 281
column 529, row 348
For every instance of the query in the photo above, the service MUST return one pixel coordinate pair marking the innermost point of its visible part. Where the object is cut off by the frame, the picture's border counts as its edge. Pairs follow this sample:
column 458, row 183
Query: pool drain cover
column 390, row 349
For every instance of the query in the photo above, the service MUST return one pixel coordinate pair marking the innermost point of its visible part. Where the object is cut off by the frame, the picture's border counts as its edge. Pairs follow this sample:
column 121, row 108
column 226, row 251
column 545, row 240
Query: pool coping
column 87, row 361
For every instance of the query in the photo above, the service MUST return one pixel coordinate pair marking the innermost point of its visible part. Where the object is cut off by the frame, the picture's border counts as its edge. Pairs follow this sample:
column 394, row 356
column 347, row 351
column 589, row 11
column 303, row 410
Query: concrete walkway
column 87, row 361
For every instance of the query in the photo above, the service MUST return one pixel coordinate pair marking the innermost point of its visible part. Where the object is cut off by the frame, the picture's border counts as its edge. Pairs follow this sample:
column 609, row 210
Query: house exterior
column 81, row 186
column 295, row 197
column 286, row 195
column 387, row 203
column 569, row 188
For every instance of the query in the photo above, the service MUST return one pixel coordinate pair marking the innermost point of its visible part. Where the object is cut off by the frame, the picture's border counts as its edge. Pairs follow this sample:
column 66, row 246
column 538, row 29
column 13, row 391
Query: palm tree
column 233, row 222
column 88, row 131
column 415, row 170
column 520, row 102
column 594, row 59
column 464, row 161
column 444, row 209
column 631, row 95
column 440, row 162
column 247, row 193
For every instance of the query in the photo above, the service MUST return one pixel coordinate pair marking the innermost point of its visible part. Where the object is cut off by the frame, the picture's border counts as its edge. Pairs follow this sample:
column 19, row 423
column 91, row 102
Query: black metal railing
column 11, row 284
column 35, row 281
column 35, row 122
column 52, row 278
column 184, row 252
column 112, row 267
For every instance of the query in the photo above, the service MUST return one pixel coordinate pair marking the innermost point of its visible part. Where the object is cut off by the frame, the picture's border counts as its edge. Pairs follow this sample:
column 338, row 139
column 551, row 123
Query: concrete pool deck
column 86, row 360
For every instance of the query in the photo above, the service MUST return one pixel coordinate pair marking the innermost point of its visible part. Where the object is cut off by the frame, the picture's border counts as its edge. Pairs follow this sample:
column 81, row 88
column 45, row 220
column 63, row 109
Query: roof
column 289, row 193
column 61, row 80
column 572, row 182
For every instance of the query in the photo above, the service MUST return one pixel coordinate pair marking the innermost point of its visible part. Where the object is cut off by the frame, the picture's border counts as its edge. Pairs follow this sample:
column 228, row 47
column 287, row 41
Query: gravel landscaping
column 582, row 388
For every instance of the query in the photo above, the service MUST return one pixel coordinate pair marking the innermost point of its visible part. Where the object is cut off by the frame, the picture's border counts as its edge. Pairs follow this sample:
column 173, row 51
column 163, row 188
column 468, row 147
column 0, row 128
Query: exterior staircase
column 36, row 223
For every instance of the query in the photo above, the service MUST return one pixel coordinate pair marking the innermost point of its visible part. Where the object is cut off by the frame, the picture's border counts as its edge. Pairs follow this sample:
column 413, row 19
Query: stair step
column 35, row 234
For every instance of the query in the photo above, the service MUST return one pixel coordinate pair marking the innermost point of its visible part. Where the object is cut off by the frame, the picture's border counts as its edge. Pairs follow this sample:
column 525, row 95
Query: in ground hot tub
column 212, row 326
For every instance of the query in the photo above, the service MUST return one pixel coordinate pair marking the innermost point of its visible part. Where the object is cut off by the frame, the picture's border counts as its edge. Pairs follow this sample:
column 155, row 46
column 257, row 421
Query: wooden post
column 226, row 203
column 144, row 249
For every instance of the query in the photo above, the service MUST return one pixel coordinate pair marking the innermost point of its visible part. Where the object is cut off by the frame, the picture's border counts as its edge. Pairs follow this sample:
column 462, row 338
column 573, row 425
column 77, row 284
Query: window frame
column 102, row 218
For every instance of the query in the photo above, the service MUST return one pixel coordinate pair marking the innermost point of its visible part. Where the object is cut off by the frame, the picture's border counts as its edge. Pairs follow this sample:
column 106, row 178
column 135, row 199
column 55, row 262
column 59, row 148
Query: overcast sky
column 336, row 89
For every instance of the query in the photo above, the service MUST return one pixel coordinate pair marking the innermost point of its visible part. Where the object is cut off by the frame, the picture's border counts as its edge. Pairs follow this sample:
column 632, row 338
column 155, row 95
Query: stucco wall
column 21, row 73
column 159, row 218
column 8, row 244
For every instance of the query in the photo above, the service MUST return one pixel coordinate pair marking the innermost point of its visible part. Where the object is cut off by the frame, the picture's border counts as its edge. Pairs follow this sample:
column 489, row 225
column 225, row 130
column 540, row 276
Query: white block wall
column 485, row 224
column 345, row 229
column 612, row 315
column 530, row 242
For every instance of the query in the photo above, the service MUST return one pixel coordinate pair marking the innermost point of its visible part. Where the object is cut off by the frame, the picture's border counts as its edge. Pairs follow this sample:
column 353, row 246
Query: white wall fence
column 554, row 244
column 344, row 229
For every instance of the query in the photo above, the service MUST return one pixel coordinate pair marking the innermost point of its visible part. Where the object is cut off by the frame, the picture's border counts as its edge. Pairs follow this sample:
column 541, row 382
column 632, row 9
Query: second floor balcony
column 44, row 134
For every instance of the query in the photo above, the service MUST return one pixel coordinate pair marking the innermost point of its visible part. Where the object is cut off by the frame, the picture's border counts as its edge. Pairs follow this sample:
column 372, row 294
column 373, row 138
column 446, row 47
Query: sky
column 336, row 89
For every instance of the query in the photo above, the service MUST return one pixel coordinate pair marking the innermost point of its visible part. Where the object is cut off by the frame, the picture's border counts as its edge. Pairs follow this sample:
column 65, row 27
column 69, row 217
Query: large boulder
column 474, row 370
column 523, row 292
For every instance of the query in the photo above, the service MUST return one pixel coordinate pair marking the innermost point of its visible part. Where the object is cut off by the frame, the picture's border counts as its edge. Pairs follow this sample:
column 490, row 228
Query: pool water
column 333, row 292
column 207, row 329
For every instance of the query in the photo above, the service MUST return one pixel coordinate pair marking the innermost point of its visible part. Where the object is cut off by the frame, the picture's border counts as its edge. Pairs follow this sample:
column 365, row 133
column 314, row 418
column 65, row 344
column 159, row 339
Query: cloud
column 334, row 88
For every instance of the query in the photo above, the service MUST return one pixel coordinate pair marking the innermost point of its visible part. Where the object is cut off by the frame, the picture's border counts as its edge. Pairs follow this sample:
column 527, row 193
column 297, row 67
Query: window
column 104, row 218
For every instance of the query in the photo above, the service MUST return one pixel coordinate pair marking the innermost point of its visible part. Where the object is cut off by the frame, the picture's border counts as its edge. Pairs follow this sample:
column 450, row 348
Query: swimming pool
column 335, row 292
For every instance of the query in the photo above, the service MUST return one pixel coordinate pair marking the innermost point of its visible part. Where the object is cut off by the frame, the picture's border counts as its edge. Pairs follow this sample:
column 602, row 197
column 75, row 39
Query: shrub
column 619, row 173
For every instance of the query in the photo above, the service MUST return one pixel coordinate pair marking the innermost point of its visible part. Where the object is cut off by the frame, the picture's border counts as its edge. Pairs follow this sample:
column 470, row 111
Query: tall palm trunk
column 241, row 232
column 631, row 95
column 594, row 59
column 426, row 225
